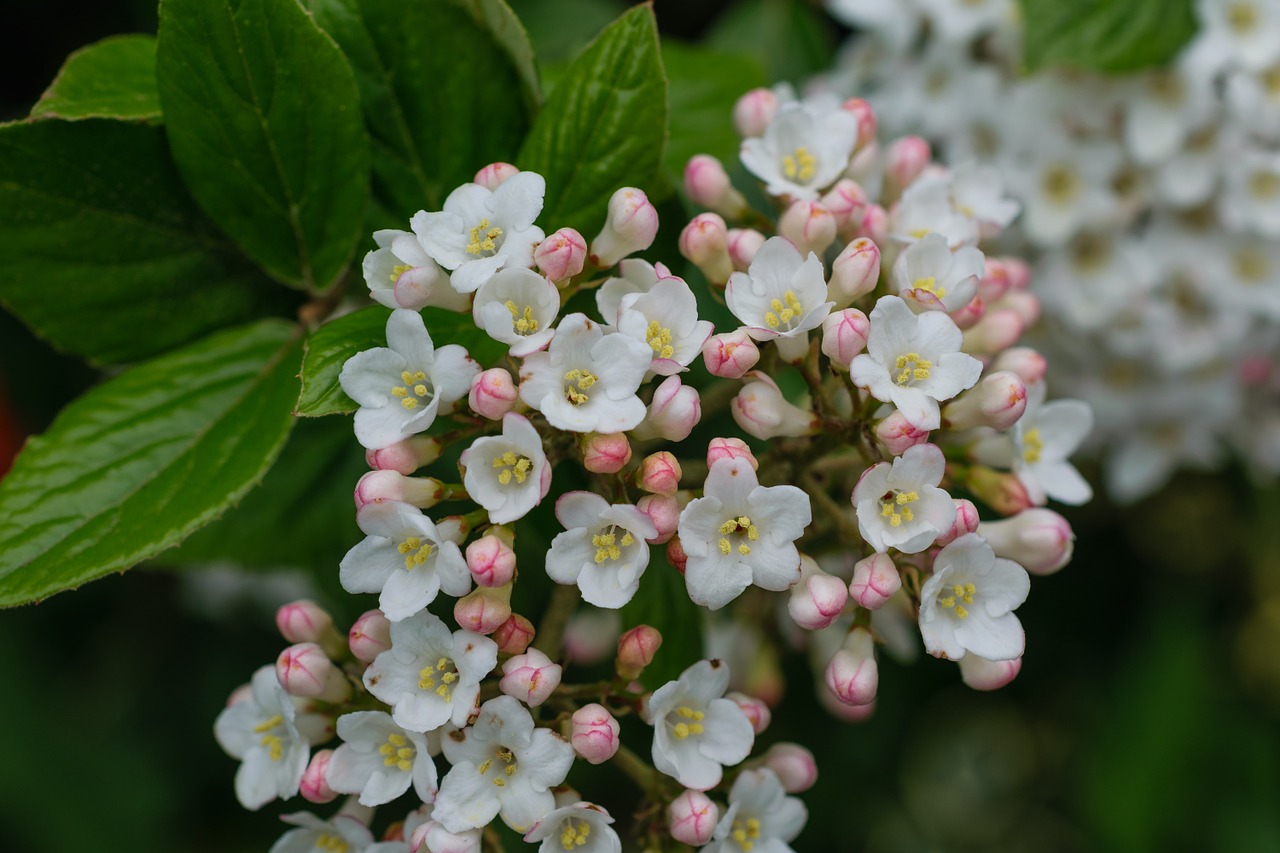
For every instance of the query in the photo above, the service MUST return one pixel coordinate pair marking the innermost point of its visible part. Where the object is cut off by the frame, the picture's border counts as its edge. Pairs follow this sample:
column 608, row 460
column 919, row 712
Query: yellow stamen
column 522, row 321
column 800, row 165
column 478, row 244
column 1032, row 446
column 399, row 270
column 930, row 284
column 415, row 552
column 578, row 381
column 510, row 466
column 659, row 339
column 911, row 367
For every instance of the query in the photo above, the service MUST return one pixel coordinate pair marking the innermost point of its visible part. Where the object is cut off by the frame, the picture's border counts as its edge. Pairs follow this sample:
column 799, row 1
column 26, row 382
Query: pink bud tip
column 314, row 788
column 794, row 766
column 966, row 522
column 595, row 733
column 905, row 159
column 631, row 225
column 659, row 473
column 866, row 118
column 692, row 818
column 844, row 335
column 730, row 355
column 674, row 411
column 562, row 255
column 817, row 601
column 855, row 271
column 757, row 711
column 1000, row 490
column 1038, row 539
column 847, row 201
column 705, row 243
column 494, row 174
column 875, row 224
column 743, row 244
column 303, row 621
column 1024, row 361
column 405, row 457
column 664, row 512
column 530, row 677
column 809, row 225
column 370, row 636
column 493, row 394
column 676, row 555
column 852, row 675
column 875, row 581
column 753, row 112
column 491, row 561
column 730, row 448
column 305, row 670
column 636, row 649
column 898, row 434
column 514, row 635
column 378, row 486
column 982, row 674
column 484, row 609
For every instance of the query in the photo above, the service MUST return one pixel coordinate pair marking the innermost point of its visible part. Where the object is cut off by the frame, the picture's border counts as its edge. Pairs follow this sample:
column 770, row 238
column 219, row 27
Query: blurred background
column 1144, row 718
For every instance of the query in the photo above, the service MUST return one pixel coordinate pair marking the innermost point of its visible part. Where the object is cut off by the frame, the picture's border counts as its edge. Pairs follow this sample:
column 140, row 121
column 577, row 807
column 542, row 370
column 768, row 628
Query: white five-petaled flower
column 402, row 386
column 913, row 361
column 761, row 818
column 343, row 833
column 587, row 379
column 400, row 274
column 781, row 295
column 481, row 231
column 507, row 474
column 900, row 505
column 580, row 828
column 696, row 733
column 404, row 558
column 930, row 277
column 380, row 760
column 666, row 320
column 429, row 675
column 967, row 604
column 804, row 150
column 502, row 766
column 517, row 307
column 264, row 729
column 739, row 533
column 1037, row 448
column 927, row 207
column 637, row 276
column 602, row 550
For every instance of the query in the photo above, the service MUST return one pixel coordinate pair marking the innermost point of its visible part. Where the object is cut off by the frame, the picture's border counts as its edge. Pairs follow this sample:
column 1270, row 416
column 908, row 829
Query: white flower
column 581, row 828
column 761, row 817
column 404, row 558
column 978, row 192
column 587, row 380
column 480, row 231
column 380, row 760
column 804, row 150
column 400, row 274
column 602, row 550
column 930, row 277
column 1162, row 111
column 637, row 277
column 739, row 533
column 1246, row 32
column 913, row 361
column 342, row 832
column 967, row 604
column 517, row 307
column 429, row 675
column 782, row 294
column 402, row 386
column 900, row 505
column 696, row 733
column 666, row 320
column 508, row 474
column 1065, row 188
column 926, row 207
column 1091, row 281
column 262, row 730
column 502, row 766
column 1250, row 201
column 1038, row 446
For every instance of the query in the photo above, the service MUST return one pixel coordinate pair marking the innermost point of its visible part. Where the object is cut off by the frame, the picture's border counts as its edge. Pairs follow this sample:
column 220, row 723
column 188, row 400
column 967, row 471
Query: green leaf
column 329, row 347
column 559, row 28
column 1111, row 36
column 140, row 462
column 265, row 125
column 102, row 251
column 447, row 87
column 113, row 78
column 704, row 87
column 789, row 38
column 663, row 602
column 603, row 127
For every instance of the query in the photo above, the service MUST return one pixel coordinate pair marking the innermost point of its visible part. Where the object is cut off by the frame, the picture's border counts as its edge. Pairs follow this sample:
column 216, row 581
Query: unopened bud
column 676, row 555
column 996, row 331
column 1024, row 361
column 1000, row 490
column 484, row 609
column 424, row 285
column 491, row 561
column 605, row 453
column 968, row 314
column 562, row 255
column 855, row 272
column 730, row 355
column 664, row 512
column 794, row 766
column 630, row 227
column 514, row 635
column 844, row 335
column 995, row 280
column 966, row 522
column 1018, row 273
column 370, row 636
column 595, row 733
column 304, row 670
column 905, row 159
column 659, row 473
column 304, row 621
column 692, row 818
column 752, row 114
column 1038, row 539
column 875, row 581
column 730, row 448
column 998, row 401
column 743, row 244
column 982, row 674
column 818, row 598
column 636, row 649
column 494, row 174
column 847, row 201
column 378, row 486
column 406, row 456
column 674, row 411
column 809, row 225
column 898, row 434
column 758, row 713
column 852, row 675
column 762, row 411
column 1024, row 303
column 314, row 788
column 705, row 243
column 530, row 677
column 875, row 224
column 866, row 118
column 708, row 185
column 493, row 394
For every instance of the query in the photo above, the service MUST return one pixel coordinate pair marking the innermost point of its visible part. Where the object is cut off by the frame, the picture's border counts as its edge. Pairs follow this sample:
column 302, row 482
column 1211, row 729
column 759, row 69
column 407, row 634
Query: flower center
column 1271, row 80
column 799, row 165
column 739, row 527
column 574, row 833
column 685, row 721
column 956, row 597
column 745, row 833
column 447, row 673
column 784, row 315
column 930, row 284
column 522, row 321
column 1167, row 87
column 274, row 743
column 503, row 764
column 483, row 239
column 510, row 465
column 1090, row 252
column 1061, row 184
column 329, row 843
column 397, row 752
column 1251, row 264
column 414, row 392
column 576, row 384
column 659, row 339
column 399, row 270
column 1242, row 17
column 1264, row 186
column 912, row 368
column 609, row 545
column 1032, row 446
column 896, row 506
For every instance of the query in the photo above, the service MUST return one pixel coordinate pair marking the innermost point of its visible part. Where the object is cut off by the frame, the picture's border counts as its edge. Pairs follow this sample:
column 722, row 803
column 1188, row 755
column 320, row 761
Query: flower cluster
column 1151, row 204
column 866, row 356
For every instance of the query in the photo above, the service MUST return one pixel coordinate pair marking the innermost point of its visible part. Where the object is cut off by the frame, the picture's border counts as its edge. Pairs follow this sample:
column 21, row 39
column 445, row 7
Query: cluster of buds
column 871, row 369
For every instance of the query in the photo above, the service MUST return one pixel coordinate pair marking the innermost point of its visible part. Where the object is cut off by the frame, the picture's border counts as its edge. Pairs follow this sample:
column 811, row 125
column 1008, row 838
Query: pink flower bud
column 676, row 555
column 674, row 411
column 1000, row 490
column 875, row 581
column 664, row 512
column 705, row 243
column 855, row 272
column 562, row 255
column 997, row 401
column 875, row 224
column 304, row 621
column 407, row 456
column 370, row 636
column 304, row 670
column 692, row 818
column 995, row 280
column 514, row 635
column 493, row 394
column 630, row 227
column 418, row 287
column 595, row 733
column 982, row 674
column 968, row 314
column 730, row 448
column 852, row 675
column 1024, row 361
column 484, row 609
column 1038, row 539
column 730, row 355
column 708, row 185
column 752, row 114
column 996, row 331
column 755, row 709
column 636, row 649
column 1018, row 272
column 762, row 411
column 491, row 561
column 743, row 244
column 314, row 788
column 809, row 225
column 817, row 600
column 1024, row 303
column 897, row 434
column 861, row 110
column 605, row 453
column 659, row 473
column 966, row 522
column 847, row 201
column 530, row 677
column 844, row 335
column 794, row 766
column 905, row 159
column 378, row 486
column 495, row 173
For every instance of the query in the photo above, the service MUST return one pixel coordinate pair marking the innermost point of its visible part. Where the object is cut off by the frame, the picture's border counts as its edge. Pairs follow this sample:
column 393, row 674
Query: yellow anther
column 895, row 506
column 574, row 834
column 961, row 612
column 406, row 377
column 331, row 844
column 744, row 549
column 484, row 768
column 628, row 540
column 506, row 755
column 415, row 552
column 397, row 752
column 771, row 319
column 399, row 391
column 274, row 745
column 1264, row 186
column 689, row 713
column 420, row 390
column 268, row 725
column 695, row 728
column 659, row 339
column 918, row 233
column 522, row 321
column 500, row 782
column 930, row 284
column 799, row 165
column 911, row 366
column 1242, row 17
column 961, row 594
column 399, row 270
column 486, row 243
column 725, row 547
column 681, row 731
column 1032, row 446
column 409, row 402
column 510, row 466
column 1251, row 265
column 510, row 770
column 577, row 383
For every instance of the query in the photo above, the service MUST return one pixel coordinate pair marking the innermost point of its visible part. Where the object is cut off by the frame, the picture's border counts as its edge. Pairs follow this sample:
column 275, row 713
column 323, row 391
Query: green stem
column 564, row 598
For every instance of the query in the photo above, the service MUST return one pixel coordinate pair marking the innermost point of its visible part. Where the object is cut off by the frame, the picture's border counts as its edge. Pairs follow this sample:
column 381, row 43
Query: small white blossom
column 508, row 474
column 930, row 277
column 602, row 550
column 342, row 832
column 517, row 307
column 400, row 274
column 761, row 818
column 581, row 828
column 1038, row 446
column 781, row 295
column 967, row 604
column 804, row 150
column 696, row 733
column 637, row 277
column 900, row 506
column 380, row 760
column 666, row 320
column 926, row 207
